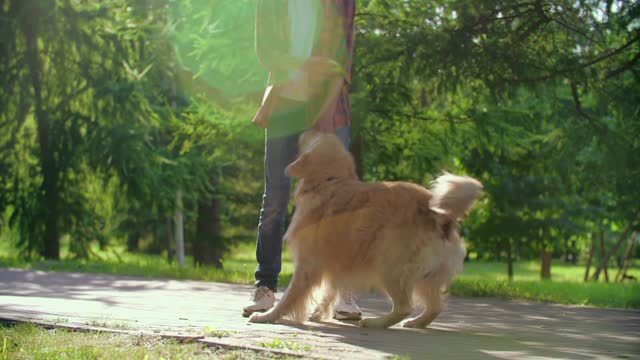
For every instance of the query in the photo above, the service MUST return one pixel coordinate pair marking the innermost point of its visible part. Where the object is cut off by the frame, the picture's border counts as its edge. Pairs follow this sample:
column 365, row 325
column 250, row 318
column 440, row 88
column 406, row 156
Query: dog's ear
column 307, row 137
column 298, row 168
column 346, row 166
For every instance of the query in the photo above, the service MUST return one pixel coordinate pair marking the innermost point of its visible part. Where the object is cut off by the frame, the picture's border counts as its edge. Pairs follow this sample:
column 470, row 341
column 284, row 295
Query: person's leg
column 281, row 148
column 279, row 152
column 344, row 134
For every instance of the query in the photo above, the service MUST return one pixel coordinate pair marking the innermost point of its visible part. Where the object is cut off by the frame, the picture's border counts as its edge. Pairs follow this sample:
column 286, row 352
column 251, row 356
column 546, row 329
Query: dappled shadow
column 108, row 289
column 486, row 328
column 442, row 344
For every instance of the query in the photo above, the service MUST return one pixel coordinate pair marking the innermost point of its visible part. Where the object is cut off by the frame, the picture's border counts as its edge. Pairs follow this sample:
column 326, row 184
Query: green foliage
column 112, row 117
column 213, row 42
column 536, row 99
column 108, row 108
column 92, row 114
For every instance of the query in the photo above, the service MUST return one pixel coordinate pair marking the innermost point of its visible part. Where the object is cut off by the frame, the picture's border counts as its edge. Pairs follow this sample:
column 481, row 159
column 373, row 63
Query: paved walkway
column 467, row 329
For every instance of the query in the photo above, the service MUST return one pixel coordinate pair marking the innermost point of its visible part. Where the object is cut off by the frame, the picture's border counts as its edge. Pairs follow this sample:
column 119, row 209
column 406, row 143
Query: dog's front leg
column 295, row 300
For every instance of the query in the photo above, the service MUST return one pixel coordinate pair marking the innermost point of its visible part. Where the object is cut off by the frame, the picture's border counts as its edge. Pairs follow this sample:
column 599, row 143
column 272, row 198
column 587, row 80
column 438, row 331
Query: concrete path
column 467, row 329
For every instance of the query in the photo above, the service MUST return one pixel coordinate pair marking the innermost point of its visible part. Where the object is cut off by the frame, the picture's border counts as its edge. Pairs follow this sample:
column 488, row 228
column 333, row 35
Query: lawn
column 479, row 278
column 489, row 279
column 27, row 341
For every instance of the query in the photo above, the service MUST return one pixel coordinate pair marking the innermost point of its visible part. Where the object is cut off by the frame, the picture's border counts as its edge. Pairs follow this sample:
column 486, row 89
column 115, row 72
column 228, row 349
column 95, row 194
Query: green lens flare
column 214, row 44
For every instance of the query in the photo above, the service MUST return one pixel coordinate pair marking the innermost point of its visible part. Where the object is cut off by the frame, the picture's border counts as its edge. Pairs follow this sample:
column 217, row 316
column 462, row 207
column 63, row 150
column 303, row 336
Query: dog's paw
column 419, row 322
column 375, row 323
column 414, row 324
column 261, row 318
column 318, row 316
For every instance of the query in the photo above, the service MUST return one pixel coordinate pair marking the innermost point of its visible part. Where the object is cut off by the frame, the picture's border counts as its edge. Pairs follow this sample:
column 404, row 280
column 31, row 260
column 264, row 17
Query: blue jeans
column 280, row 151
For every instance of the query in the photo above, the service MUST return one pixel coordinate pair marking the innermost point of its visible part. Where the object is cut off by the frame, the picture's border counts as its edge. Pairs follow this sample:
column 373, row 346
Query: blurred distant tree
column 534, row 97
column 79, row 71
column 539, row 99
column 62, row 70
column 91, row 91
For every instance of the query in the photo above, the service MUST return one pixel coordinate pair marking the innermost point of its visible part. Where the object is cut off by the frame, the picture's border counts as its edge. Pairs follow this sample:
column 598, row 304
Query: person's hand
column 322, row 67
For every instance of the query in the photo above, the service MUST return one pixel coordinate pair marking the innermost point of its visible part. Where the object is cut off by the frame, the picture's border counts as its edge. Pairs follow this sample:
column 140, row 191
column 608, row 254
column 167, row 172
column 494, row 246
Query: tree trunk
column 133, row 241
column 169, row 238
column 592, row 249
column 622, row 273
column 208, row 246
column 603, row 262
column 424, row 101
column 47, row 159
column 575, row 252
column 179, row 229
column 545, row 269
column 602, row 255
column 357, row 152
column 509, row 262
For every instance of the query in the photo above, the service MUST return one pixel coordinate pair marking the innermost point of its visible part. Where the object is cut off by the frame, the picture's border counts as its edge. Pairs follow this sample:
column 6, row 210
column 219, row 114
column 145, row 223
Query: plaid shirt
column 335, row 41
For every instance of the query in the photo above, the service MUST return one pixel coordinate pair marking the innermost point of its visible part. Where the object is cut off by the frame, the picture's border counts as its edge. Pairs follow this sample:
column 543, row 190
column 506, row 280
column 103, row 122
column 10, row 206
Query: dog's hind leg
column 295, row 301
column 324, row 308
column 401, row 297
column 429, row 291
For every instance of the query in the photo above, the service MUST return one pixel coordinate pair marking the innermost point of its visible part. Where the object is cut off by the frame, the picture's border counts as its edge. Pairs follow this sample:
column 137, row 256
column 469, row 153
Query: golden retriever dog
column 347, row 234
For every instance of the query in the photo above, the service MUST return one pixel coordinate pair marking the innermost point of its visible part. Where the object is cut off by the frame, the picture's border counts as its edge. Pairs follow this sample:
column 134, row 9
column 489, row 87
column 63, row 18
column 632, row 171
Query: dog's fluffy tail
column 454, row 195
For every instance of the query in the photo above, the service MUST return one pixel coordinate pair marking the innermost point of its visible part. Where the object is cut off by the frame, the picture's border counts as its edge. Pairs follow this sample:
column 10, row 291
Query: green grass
column 489, row 279
column 27, row 341
column 289, row 345
column 530, row 271
column 238, row 268
column 484, row 279
column 571, row 293
column 212, row 331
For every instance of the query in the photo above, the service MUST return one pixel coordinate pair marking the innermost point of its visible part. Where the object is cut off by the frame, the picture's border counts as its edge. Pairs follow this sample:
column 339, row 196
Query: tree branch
column 623, row 68
column 70, row 97
column 415, row 116
column 576, row 100
column 571, row 28
column 582, row 66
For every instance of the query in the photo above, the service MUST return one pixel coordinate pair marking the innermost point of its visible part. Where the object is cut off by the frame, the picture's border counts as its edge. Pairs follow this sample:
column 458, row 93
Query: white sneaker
column 262, row 299
column 346, row 308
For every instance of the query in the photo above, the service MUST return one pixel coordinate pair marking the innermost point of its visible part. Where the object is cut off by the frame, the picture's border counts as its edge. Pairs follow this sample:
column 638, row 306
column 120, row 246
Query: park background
column 123, row 122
